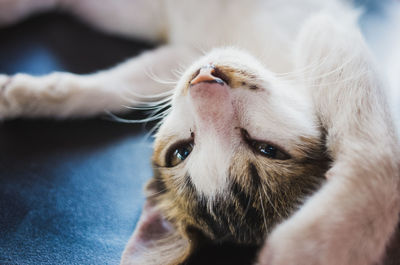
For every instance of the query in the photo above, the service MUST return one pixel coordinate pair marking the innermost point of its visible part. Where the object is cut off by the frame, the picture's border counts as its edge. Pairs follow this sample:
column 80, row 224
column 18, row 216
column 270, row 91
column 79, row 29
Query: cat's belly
column 260, row 27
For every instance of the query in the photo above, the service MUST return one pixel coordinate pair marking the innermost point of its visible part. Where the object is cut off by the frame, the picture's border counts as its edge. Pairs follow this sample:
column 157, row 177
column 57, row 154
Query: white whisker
column 263, row 212
column 149, row 72
column 270, row 202
column 113, row 117
column 161, row 95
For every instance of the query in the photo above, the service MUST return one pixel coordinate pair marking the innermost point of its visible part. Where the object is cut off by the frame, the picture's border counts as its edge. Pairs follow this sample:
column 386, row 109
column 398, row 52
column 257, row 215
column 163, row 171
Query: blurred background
column 71, row 191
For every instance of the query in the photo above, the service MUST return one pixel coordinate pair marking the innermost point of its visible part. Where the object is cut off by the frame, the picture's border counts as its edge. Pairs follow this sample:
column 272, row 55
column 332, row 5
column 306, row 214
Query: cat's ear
column 155, row 241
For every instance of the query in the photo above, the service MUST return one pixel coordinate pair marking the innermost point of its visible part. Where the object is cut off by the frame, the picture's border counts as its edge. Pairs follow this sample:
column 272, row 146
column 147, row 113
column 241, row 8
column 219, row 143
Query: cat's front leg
column 347, row 223
column 61, row 94
column 57, row 94
column 352, row 218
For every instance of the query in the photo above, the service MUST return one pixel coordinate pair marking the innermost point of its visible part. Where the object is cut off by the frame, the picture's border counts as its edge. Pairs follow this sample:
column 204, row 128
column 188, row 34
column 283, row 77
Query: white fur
column 350, row 220
column 70, row 95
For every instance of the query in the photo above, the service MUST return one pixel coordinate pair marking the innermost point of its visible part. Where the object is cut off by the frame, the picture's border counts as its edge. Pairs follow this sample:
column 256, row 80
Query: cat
column 279, row 133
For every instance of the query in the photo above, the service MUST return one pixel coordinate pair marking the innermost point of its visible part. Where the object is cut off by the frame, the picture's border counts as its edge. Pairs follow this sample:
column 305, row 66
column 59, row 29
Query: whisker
column 263, row 212
column 304, row 69
column 247, row 208
column 157, row 193
column 160, row 95
column 152, row 130
column 151, row 106
column 150, row 74
column 315, row 66
column 114, row 117
column 355, row 76
column 269, row 200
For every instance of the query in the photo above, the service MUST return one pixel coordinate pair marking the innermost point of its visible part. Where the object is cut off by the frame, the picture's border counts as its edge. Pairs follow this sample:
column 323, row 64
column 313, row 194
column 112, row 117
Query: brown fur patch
column 237, row 77
column 262, row 192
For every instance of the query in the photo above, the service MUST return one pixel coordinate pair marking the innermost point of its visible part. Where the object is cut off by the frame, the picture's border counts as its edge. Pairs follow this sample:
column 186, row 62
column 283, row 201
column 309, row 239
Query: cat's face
column 238, row 151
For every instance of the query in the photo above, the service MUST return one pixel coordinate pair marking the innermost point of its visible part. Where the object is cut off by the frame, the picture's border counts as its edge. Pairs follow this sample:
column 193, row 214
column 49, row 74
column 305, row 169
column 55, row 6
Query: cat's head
column 238, row 151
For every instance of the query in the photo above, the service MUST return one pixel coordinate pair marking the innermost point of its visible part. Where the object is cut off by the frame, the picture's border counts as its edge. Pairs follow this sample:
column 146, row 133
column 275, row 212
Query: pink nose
column 208, row 74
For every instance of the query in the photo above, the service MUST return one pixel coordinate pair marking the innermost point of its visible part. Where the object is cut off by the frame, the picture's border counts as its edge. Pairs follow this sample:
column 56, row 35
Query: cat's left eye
column 268, row 150
column 178, row 152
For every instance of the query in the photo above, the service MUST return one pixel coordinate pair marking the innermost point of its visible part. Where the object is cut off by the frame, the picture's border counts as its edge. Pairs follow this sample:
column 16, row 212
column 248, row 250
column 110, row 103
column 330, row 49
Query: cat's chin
column 209, row 252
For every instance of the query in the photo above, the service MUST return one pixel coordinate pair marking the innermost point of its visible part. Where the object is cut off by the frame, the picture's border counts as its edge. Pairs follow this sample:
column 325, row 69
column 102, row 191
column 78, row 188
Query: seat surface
column 70, row 191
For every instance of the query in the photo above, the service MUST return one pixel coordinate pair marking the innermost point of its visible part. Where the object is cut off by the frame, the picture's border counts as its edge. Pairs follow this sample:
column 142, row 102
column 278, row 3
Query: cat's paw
column 16, row 94
column 24, row 95
column 5, row 81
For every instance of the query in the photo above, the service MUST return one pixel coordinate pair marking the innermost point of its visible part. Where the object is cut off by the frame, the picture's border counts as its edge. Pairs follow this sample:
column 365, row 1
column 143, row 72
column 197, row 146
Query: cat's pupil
column 267, row 150
column 178, row 152
column 182, row 153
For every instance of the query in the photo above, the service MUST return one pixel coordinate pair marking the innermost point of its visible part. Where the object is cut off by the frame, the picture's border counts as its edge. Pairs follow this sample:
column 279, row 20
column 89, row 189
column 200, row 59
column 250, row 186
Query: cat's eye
column 178, row 153
column 268, row 150
column 264, row 148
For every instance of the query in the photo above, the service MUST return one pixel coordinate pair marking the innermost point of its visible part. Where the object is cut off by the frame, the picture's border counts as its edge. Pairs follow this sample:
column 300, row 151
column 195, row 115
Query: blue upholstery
column 70, row 191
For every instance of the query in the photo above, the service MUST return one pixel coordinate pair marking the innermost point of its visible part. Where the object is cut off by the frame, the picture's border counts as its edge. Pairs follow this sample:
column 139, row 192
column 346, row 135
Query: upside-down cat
column 285, row 101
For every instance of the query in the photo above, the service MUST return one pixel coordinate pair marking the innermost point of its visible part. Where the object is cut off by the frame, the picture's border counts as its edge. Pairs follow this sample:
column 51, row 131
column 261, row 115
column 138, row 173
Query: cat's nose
column 208, row 74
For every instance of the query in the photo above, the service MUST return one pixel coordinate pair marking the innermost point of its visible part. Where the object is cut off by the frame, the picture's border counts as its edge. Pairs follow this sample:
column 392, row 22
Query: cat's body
column 246, row 140
column 188, row 29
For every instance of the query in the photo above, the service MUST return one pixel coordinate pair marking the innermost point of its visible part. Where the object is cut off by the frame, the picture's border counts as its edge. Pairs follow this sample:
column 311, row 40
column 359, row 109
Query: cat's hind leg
column 11, row 11
column 62, row 95
column 141, row 19
column 131, row 18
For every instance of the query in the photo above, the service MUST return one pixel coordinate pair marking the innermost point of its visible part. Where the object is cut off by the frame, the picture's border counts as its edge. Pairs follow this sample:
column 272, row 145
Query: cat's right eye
column 178, row 152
